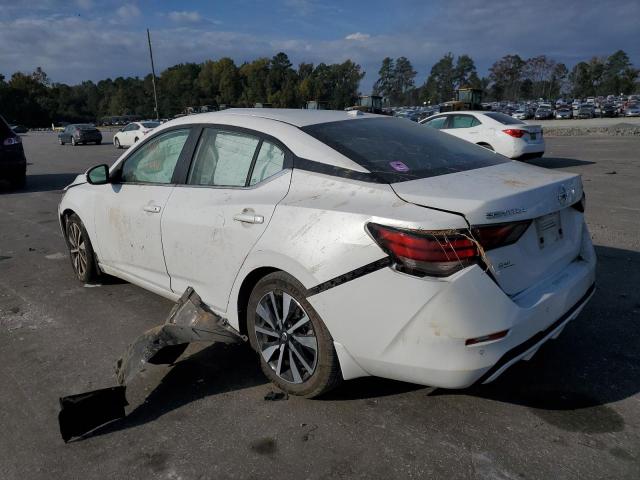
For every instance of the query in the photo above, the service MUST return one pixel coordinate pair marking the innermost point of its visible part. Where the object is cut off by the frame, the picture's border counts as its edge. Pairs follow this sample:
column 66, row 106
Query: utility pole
column 153, row 78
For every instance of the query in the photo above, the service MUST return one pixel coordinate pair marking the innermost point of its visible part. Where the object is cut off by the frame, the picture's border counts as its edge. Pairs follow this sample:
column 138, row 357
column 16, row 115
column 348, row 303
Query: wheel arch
column 244, row 292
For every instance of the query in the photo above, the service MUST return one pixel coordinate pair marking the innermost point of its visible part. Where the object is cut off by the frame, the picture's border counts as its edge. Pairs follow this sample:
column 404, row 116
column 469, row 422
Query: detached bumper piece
column 190, row 320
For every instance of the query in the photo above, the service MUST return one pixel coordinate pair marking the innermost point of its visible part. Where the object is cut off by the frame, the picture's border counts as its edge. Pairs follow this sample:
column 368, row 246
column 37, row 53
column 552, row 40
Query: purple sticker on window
column 399, row 166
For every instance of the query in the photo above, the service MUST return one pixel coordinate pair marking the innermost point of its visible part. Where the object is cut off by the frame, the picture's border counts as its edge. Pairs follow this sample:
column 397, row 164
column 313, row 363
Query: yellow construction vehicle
column 466, row 99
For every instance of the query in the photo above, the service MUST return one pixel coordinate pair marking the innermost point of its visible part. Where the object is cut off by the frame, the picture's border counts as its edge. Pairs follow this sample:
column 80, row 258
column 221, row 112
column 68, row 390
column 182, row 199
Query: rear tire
column 116, row 142
column 83, row 259
column 296, row 355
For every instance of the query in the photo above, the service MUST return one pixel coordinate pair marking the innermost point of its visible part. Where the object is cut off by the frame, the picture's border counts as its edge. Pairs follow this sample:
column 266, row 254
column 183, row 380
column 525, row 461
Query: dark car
column 19, row 128
column 586, row 111
column 543, row 113
column 13, row 164
column 78, row 133
column 608, row 110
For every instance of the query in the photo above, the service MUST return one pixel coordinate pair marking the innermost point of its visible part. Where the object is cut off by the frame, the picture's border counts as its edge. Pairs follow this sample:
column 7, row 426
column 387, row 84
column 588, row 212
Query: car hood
column 500, row 193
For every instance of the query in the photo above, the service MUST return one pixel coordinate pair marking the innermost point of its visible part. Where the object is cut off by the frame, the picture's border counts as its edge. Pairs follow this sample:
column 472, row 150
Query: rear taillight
column 441, row 253
column 11, row 141
column 500, row 235
column 436, row 253
column 515, row 132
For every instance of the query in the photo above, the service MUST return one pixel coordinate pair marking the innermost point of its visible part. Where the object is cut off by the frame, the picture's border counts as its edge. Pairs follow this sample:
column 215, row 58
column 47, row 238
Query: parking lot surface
column 588, row 122
column 572, row 412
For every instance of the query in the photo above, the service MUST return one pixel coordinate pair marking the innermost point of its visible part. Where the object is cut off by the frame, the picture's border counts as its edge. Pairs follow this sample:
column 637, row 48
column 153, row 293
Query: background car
column 132, row 133
column 543, row 113
column 80, row 133
column 608, row 110
column 13, row 164
column 586, row 111
column 632, row 110
column 497, row 131
column 564, row 113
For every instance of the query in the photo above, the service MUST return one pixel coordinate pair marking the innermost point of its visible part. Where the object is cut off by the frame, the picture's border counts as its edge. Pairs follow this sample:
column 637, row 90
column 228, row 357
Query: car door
column 212, row 221
column 126, row 137
column 464, row 126
column 128, row 211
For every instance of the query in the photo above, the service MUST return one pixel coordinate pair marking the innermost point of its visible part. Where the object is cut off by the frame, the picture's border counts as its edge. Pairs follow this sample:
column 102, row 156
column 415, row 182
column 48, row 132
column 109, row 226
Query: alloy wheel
column 77, row 248
column 286, row 337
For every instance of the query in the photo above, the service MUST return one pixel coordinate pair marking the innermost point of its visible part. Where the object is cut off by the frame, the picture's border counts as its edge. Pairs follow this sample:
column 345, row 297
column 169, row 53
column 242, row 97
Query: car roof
column 296, row 117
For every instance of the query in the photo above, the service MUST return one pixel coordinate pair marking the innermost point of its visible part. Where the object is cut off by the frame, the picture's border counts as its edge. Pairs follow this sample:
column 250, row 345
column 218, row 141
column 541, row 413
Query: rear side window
column 269, row 162
column 395, row 150
column 437, row 123
column 504, row 119
column 463, row 121
column 222, row 159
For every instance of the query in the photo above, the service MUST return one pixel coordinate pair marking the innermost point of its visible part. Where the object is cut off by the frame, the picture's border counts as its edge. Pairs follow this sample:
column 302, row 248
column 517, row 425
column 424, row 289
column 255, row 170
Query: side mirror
column 98, row 175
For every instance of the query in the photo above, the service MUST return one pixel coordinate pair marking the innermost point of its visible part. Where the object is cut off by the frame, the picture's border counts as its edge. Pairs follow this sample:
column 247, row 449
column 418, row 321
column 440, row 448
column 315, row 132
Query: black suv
column 13, row 164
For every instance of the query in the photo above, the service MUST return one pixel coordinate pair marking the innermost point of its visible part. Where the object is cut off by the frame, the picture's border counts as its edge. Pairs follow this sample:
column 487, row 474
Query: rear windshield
column 150, row 124
column 503, row 118
column 85, row 126
column 397, row 150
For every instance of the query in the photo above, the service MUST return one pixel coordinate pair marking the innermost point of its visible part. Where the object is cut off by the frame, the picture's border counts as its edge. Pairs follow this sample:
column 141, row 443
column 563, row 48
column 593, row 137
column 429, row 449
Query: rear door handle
column 152, row 208
column 248, row 218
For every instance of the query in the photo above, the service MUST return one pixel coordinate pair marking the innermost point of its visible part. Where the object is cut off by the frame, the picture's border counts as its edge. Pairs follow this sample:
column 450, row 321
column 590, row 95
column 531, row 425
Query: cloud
column 357, row 36
column 84, row 4
column 185, row 17
column 128, row 11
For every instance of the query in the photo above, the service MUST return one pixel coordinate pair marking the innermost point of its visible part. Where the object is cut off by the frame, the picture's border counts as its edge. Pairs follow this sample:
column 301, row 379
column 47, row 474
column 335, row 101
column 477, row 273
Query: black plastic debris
column 82, row 413
column 190, row 320
column 276, row 396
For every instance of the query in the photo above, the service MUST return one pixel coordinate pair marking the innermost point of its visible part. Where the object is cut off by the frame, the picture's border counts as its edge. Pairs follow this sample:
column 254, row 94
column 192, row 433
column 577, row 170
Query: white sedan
column 506, row 135
column 342, row 244
column 132, row 133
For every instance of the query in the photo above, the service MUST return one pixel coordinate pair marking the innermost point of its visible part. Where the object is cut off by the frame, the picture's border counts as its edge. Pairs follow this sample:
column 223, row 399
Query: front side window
column 269, row 162
column 155, row 161
column 222, row 159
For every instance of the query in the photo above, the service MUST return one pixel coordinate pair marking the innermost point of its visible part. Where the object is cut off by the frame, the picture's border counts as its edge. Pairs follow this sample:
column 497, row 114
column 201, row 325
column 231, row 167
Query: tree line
column 509, row 78
column 33, row 100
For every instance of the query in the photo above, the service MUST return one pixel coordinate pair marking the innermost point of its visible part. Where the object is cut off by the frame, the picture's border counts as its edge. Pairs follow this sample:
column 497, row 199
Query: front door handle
column 152, row 208
column 248, row 218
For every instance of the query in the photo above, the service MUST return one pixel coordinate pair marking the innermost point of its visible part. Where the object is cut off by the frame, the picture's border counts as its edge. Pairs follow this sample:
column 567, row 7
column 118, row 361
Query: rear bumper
column 414, row 329
column 12, row 165
column 522, row 147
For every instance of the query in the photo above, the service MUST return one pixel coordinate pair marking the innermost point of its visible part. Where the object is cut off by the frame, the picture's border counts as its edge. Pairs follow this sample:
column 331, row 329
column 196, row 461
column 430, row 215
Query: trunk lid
column 512, row 192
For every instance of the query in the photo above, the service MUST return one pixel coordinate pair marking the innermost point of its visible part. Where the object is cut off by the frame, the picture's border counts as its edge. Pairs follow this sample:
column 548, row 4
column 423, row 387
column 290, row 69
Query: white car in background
column 132, row 133
column 496, row 131
column 342, row 244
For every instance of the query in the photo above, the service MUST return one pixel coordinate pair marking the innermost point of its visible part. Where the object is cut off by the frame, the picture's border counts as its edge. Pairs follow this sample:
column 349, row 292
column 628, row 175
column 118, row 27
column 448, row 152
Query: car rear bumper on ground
column 412, row 329
column 12, row 164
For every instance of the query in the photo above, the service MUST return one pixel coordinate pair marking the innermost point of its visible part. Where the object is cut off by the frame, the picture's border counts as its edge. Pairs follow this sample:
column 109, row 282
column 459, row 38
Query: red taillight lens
column 11, row 141
column 500, row 235
column 435, row 253
column 515, row 132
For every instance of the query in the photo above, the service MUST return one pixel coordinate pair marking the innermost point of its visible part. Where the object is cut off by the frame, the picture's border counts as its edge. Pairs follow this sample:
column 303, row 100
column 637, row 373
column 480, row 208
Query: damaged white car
column 342, row 244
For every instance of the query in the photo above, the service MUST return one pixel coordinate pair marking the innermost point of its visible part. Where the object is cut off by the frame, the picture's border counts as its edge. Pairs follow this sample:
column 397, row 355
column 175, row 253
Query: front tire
column 81, row 252
column 60, row 141
column 295, row 348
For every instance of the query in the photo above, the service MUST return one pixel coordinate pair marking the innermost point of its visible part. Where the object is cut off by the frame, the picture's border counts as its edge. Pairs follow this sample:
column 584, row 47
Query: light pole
column 153, row 77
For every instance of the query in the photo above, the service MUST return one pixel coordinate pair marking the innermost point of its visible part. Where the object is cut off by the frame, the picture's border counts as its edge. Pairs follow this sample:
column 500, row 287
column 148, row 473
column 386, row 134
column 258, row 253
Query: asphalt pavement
column 572, row 412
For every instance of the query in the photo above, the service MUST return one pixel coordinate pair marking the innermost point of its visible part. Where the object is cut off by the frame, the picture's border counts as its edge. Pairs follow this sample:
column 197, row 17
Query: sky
column 78, row 40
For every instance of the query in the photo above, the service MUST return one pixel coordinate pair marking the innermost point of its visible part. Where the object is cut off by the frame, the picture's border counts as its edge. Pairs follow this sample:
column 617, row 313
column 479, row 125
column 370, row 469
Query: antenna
column 153, row 77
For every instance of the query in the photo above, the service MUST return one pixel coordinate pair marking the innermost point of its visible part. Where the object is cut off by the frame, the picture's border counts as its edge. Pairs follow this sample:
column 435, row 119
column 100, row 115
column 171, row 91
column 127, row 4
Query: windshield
column 84, row 125
column 150, row 124
column 396, row 150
